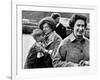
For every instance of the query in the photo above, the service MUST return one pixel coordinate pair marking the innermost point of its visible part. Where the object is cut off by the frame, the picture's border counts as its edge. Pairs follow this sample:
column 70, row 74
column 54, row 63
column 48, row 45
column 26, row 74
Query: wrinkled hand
column 40, row 48
column 84, row 63
column 70, row 64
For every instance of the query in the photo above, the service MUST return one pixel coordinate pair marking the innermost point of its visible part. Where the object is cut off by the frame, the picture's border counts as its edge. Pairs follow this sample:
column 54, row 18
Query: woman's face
column 79, row 28
column 46, row 28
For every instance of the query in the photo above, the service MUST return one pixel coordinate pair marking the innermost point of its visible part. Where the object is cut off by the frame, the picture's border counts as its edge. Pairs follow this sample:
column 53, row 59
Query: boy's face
column 40, row 38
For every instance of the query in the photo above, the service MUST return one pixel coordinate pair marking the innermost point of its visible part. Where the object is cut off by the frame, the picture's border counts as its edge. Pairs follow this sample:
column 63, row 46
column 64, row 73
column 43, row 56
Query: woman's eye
column 78, row 25
column 83, row 25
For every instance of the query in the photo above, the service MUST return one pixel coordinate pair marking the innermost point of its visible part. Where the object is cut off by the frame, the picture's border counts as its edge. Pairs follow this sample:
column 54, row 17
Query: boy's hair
column 36, row 33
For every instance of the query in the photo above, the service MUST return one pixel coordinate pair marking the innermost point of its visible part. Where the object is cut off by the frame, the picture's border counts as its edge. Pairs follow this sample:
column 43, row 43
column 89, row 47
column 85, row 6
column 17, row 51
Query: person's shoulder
column 86, row 40
column 57, row 36
column 33, row 46
column 60, row 24
column 66, row 40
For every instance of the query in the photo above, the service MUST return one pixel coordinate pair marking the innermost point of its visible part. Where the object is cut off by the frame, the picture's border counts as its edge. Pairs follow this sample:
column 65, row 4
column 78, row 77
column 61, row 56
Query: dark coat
column 61, row 31
column 33, row 62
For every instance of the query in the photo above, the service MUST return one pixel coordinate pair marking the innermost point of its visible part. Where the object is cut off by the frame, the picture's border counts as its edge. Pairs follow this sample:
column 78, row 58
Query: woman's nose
column 43, row 28
column 80, row 27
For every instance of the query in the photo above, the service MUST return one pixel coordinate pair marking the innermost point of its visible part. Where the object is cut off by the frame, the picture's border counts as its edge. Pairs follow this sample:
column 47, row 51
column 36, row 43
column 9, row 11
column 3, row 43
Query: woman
column 52, row 39
column 74, row 49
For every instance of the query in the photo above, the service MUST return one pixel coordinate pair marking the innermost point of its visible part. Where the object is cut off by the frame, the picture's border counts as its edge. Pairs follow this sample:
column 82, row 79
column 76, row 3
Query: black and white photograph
column 51, row 41
column 55, row 39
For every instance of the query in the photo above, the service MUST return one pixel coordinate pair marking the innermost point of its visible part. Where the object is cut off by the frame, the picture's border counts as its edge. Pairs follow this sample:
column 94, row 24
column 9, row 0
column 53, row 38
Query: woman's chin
column 79, row 36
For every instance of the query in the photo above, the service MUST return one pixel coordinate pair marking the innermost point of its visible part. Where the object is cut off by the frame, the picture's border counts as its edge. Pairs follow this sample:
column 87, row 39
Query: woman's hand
column 70, row 64
column 84, row 63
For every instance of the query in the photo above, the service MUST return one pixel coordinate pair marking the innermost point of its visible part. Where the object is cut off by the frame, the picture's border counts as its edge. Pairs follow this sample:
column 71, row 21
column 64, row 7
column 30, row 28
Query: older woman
column 74, row 49
column 52, row 39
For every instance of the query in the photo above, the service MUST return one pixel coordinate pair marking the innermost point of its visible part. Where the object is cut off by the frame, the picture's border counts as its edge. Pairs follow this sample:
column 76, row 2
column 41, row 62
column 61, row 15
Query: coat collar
column 51, row 37
column 73, row 38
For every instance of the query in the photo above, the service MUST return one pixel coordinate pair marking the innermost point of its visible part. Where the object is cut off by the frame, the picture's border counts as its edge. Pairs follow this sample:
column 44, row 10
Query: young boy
column 38, row 56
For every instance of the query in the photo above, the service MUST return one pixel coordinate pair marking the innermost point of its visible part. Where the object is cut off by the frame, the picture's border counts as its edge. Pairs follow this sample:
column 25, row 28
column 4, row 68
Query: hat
column 55, row 15
column 49, row 21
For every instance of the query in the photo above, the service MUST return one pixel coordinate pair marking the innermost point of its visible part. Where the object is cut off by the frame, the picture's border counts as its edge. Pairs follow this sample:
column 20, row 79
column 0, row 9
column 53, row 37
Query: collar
column 73, row 38
column 51, row 37
column 57, row 25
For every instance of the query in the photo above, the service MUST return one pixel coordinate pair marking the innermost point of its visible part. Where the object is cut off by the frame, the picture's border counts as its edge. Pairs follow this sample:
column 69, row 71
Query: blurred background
column 30, row 20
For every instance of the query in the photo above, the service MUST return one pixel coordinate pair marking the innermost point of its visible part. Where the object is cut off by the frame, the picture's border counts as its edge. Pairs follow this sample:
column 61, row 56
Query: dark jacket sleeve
column 61, row 31
column 30, row 60
column 33, row 62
